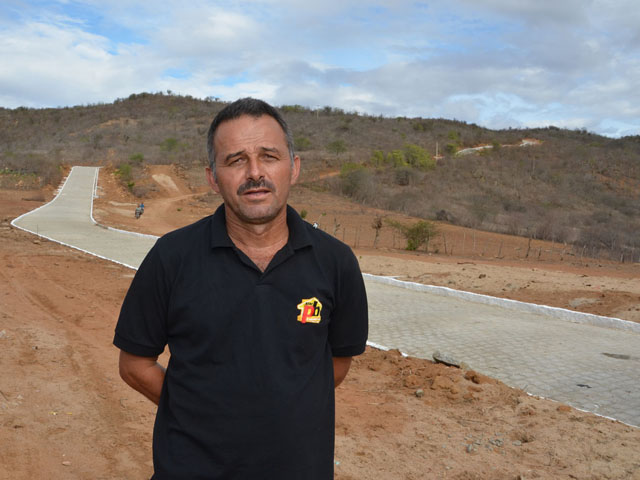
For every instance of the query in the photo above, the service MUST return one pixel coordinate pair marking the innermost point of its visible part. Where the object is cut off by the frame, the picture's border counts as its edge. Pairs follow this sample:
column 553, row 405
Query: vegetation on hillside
column 574, row 186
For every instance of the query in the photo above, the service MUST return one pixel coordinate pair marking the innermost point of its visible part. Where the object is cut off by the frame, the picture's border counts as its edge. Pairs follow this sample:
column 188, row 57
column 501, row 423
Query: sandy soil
column 65, row 414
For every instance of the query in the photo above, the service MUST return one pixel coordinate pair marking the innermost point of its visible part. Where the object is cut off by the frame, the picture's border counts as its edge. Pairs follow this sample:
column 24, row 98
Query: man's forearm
column 340, row 369
column 143, row 374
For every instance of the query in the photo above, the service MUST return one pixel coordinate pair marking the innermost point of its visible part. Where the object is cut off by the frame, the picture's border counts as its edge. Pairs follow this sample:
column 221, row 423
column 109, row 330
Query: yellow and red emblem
column 310, row 309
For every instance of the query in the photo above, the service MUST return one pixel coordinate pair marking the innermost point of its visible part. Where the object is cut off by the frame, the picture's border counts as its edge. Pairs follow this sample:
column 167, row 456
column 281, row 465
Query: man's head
column 252, row 164
column 245, row 106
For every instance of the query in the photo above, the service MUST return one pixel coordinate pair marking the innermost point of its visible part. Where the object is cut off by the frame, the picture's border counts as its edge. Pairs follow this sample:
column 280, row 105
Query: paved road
column 587, row 366
column 68, row 220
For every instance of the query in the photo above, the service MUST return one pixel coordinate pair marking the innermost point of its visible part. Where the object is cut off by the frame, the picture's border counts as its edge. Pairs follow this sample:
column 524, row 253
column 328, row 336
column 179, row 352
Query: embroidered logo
column 310, row 309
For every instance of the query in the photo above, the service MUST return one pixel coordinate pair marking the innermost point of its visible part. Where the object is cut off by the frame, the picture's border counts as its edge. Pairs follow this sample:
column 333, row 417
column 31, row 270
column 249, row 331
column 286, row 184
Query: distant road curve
column 525, row 142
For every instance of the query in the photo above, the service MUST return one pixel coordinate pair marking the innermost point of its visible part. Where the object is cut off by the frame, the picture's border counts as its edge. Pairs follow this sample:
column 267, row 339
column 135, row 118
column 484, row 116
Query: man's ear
column 211, row 180
column 295, row 170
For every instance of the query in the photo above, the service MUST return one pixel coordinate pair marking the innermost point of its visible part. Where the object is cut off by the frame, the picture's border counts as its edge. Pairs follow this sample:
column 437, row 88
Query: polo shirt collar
column 298, row 234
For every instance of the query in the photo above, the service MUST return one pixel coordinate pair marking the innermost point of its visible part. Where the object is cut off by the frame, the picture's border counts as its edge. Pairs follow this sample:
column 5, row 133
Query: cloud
column 493, row 62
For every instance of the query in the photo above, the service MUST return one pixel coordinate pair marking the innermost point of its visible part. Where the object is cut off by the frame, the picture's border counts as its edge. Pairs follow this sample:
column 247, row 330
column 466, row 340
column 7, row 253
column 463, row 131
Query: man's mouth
column 256, row 188
column 255, row 192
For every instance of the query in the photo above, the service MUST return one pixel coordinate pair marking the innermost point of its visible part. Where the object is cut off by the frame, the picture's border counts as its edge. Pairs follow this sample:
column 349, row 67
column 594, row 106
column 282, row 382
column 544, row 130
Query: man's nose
column 254, row 168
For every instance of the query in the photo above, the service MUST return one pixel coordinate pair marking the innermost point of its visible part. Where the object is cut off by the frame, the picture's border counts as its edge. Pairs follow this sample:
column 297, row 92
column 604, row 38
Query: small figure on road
column 261, row 312
column 139, row 210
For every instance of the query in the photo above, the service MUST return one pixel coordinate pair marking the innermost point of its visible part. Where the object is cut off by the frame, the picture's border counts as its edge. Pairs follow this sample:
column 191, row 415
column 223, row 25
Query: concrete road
column 589, row 362
column 68, row 220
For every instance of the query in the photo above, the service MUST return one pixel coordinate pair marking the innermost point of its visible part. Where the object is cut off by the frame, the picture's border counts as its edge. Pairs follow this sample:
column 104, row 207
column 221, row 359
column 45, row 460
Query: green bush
column 301, row 143
column 396, row 158
column 417, row 157
column 136, row 158
column 124, row 171
column 293, row 109
column 418, row 234
column 451, row 148
column 377, row 158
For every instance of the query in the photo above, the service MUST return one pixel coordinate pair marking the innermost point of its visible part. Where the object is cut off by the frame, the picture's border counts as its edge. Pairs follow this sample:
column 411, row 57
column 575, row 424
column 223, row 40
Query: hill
column 566, row 186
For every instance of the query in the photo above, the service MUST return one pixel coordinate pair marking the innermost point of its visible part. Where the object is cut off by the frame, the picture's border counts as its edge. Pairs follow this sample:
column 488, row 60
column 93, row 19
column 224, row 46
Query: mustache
column 249, row 184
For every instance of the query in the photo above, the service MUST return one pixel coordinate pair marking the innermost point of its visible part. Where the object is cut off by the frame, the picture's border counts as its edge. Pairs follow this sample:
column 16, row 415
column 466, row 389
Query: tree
column 418, row 234
column 377, row 226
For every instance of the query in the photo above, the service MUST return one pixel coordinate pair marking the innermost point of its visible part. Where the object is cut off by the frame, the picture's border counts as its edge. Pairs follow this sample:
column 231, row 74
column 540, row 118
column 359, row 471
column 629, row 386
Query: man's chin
column 258, row 216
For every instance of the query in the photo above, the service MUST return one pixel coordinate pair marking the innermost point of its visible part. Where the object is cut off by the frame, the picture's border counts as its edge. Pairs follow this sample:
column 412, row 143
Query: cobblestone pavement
column 586, row 366
column 589, row 367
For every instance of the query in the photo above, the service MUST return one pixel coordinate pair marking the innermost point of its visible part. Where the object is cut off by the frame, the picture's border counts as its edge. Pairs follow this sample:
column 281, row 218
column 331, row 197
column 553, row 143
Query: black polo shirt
column 249, row 389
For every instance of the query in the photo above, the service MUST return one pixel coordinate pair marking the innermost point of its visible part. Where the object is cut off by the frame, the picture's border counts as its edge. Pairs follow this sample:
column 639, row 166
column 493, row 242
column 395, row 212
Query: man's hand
column 143, row 374
column 340, row 368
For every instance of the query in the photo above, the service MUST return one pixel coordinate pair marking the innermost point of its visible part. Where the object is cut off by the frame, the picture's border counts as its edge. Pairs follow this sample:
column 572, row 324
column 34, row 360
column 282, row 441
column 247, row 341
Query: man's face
column 253, row 168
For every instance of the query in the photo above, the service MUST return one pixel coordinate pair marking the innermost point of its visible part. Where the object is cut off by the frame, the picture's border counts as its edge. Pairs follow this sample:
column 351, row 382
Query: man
column 261, row 312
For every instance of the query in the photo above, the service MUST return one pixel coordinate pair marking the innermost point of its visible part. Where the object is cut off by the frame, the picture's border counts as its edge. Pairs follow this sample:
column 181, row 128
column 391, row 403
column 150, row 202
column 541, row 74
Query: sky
column 497, row 63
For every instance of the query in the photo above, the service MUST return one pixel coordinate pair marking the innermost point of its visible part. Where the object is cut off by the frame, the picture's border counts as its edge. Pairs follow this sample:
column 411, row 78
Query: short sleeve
column 142, row 324
column 350, row 319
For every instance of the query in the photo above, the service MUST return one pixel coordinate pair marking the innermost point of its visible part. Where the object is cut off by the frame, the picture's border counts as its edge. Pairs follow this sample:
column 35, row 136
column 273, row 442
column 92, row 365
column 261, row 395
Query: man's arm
column 143, row 374
column 340, row 368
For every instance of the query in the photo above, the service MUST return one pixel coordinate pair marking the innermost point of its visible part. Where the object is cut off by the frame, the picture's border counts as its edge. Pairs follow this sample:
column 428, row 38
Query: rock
column 579, row 302
column 66, row 463
column 446, row 359
column 37, row 242
column 516, row 443
column 3, row 333
column 420, row 393
column 471, row 448
column 482, row 275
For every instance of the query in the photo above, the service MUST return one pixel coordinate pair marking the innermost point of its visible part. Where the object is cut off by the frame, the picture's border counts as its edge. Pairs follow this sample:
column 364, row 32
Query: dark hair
column 245, row 106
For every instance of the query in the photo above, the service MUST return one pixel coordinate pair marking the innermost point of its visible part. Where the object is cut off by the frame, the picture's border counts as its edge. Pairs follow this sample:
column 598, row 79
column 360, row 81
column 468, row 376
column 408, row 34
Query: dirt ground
column 65, row 414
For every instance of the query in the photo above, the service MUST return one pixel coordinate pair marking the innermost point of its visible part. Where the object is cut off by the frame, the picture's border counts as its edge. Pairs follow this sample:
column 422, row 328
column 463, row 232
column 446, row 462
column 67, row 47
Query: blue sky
column 497, row 63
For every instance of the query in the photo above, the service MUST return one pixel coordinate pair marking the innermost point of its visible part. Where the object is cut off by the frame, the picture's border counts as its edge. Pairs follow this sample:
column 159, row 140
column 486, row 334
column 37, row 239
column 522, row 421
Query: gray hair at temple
column 245, row 106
